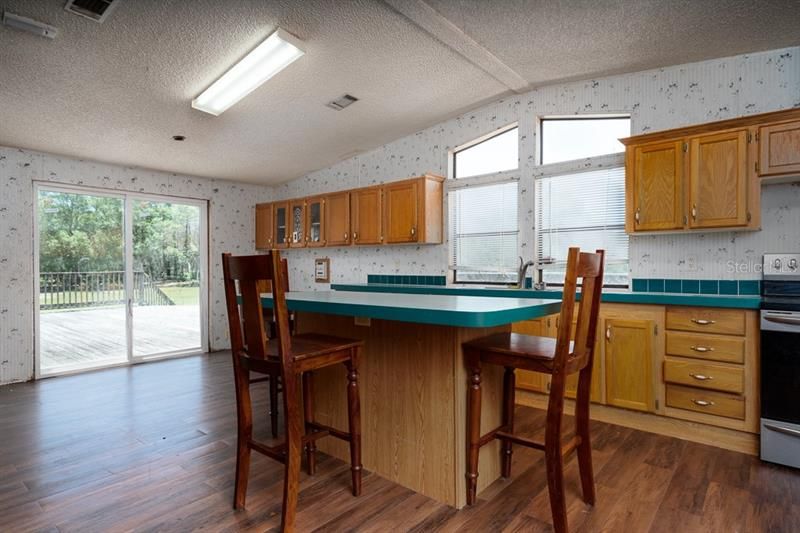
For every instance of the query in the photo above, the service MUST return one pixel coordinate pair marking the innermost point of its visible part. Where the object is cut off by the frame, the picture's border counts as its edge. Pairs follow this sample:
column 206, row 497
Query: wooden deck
column 89, row 337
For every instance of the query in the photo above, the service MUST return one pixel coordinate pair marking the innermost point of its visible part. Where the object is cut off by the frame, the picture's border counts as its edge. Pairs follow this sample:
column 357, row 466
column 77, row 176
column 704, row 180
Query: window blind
column 585, row 209
column 484, row 232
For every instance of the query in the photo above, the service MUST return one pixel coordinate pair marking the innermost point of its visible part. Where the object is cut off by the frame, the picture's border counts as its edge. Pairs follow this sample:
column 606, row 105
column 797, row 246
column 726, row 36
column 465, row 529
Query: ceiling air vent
column 97, row 10
column 342, row 102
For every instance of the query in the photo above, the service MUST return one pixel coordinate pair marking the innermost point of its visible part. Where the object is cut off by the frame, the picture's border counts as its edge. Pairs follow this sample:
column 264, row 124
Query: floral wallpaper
column 230, row 222
column 656, row 100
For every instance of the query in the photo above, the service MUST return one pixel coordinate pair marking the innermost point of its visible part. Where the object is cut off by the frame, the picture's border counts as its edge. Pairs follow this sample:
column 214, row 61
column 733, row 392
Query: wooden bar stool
column 559, row 357
column 293, row 358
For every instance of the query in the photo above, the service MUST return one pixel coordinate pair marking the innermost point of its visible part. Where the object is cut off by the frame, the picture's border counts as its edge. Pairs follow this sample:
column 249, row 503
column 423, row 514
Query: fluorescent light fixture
column 277, row 52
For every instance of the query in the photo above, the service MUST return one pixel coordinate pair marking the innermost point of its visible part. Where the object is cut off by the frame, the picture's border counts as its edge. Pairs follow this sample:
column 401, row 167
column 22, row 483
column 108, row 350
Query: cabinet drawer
column 705, row 375
column 704, row 401
column 705, row 320
column 710, row 347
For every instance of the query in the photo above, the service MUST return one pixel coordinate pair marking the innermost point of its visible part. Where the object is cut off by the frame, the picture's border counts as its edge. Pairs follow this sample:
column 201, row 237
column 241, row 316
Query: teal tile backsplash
column 749, row 287
column 386, row 279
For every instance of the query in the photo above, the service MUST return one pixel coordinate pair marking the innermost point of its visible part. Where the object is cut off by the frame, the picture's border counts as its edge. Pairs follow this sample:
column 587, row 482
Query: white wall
column 230, row 222
column 656, row 99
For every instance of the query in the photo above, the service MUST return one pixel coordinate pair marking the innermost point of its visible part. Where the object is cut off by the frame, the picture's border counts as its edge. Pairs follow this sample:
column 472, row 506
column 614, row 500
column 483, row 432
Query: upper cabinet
column 779, row 153
column 408, row 211
column 718, row 180
column 315, row 222
column 654, row 186
column 366, row 211
column 337, row 219
column 264, row 219
column 413, row 211
column 706, row 177
column 281, row 225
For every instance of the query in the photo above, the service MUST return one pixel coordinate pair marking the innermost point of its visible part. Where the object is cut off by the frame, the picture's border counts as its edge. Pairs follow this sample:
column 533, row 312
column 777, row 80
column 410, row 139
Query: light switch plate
column 322, row 270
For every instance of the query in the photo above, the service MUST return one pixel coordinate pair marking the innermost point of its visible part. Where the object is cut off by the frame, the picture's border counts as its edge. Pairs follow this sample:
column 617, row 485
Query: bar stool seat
column 528, row 352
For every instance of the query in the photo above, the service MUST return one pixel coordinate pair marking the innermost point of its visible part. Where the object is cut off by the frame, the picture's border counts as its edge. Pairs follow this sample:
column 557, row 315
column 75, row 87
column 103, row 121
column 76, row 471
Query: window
column 585, row 209
column 484, row 229
column 569, row 138
column 495, row 154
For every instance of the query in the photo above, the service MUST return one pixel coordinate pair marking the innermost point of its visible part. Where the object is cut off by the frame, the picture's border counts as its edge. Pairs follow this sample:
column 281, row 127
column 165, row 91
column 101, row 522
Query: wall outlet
column 362, row 321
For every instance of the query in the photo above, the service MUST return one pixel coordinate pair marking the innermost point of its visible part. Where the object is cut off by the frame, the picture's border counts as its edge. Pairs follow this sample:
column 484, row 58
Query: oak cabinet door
column 366, row 215
column 779, row 149
column 315, row 222
column 718, row 180
column 281, row 224
column 401, row 213
column 629, row 363
column 656, row 183
column 337, row 219
column 297, row 224
column 264, row 221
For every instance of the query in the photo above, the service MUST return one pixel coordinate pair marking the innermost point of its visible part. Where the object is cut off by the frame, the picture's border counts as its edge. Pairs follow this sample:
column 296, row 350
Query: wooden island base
column 413, row 403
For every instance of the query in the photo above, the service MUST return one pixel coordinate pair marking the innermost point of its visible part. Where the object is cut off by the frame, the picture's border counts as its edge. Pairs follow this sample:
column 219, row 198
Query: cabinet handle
column 701, row 377
column 703, row 321
column 637, row 214
column 345, row 235
column 608, row 333
column 413, row 231
column 702, row 403
column 355, row 235
column 694, row 212
column 702, row 349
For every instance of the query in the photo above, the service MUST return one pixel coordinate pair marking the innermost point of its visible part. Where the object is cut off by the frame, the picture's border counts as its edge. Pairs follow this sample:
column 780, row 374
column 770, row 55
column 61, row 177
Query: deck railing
column 69, row 290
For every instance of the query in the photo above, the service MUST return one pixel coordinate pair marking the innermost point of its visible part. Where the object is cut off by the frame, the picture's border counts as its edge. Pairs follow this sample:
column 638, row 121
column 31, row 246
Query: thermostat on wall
column 322, row 270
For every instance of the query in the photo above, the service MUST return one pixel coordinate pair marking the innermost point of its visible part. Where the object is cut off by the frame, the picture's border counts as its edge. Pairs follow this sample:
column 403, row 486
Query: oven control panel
column 781, row 265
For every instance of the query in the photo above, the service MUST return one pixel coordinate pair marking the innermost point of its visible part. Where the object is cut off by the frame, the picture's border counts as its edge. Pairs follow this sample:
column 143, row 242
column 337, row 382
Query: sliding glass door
column 119, row 278
column 166, row 278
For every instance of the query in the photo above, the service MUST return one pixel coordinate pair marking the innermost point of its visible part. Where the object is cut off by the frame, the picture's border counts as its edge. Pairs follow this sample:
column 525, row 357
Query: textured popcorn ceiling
column 118, row 91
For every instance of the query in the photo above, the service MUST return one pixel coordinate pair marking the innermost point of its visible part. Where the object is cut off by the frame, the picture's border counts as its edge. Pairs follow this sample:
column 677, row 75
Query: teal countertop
column 653, row 298
column 441, row 309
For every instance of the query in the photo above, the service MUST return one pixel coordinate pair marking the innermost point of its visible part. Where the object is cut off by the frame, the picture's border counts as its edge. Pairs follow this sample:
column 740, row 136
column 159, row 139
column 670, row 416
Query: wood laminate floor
column 151, row 448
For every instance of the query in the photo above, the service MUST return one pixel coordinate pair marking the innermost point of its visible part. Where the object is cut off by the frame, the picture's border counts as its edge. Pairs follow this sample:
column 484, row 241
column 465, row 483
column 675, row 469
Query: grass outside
column 183, row 295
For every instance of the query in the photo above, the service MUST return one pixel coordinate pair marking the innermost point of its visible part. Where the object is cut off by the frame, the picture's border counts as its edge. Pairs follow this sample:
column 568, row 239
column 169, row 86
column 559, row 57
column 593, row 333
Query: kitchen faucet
column 523, row 269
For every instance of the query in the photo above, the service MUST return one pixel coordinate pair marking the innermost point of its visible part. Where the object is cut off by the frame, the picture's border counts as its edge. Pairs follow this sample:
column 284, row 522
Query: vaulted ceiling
column 118, row 91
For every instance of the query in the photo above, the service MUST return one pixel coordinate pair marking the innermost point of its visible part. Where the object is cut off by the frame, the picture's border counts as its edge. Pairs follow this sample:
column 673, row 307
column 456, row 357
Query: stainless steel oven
column 780, row 359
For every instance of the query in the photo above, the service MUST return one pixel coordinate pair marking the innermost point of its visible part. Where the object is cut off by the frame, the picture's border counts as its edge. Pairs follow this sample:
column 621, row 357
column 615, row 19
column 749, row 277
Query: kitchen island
column 412, row 380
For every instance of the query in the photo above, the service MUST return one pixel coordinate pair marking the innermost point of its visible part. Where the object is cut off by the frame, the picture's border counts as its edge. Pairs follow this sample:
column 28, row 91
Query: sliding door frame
column 128, row 198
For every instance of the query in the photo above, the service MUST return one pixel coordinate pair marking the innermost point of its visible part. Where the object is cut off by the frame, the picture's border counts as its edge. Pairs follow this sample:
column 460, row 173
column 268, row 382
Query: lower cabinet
column 628, row 355
column 692, row 363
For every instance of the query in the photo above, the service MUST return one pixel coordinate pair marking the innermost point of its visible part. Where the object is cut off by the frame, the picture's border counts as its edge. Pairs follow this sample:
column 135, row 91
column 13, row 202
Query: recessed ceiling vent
column 97, row 10
column 342, row 102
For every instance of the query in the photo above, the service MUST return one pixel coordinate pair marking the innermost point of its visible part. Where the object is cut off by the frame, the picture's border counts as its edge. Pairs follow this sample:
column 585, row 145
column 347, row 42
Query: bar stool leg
column 245, row 434
column 508, row 419
column 273, row 403
column 308, row 412
column 294, row 452
column 554, row 461
column 473, row 426
column 354, row 420
column 582, row 430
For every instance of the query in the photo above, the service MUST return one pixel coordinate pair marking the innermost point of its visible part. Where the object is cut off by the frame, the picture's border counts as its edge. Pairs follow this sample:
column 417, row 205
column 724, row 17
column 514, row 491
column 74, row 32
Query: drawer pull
column 702, row 349
column 703, row 321
column 701, row 377
column 703, row 403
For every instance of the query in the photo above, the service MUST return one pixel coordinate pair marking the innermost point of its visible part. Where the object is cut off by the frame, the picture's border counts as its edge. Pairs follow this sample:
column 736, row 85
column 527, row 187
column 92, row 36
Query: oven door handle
column 782, row 320
column 785, row 431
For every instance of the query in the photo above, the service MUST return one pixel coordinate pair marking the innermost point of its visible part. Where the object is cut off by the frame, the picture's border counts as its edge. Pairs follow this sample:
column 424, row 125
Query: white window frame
column 574, row 166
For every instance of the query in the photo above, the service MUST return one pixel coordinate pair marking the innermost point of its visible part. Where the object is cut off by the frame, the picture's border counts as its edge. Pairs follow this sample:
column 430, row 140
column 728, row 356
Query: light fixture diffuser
column 277, row 52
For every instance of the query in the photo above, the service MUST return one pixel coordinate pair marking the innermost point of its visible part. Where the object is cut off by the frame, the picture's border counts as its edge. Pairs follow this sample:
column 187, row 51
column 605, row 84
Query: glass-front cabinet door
column 297, row 221
column 281, row 225
column 315, row 216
